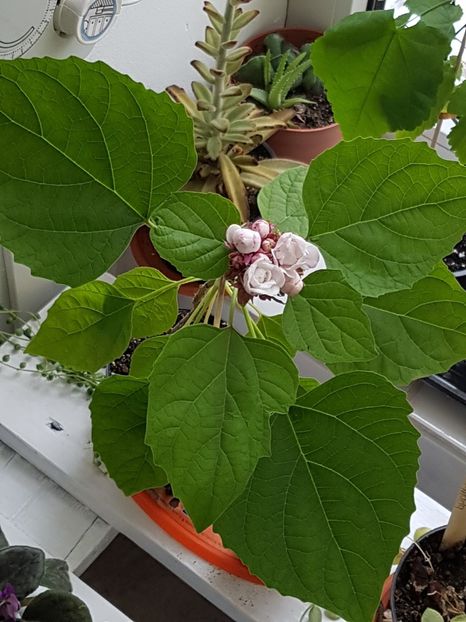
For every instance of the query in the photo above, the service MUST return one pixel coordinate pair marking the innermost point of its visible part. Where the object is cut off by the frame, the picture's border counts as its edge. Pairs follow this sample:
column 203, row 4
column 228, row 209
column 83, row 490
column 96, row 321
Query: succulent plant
column 282, row 70
column 227, row 127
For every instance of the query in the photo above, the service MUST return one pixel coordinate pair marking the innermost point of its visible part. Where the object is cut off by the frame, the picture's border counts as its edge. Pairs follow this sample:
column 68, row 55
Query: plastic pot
column 145, row 254
column 302, row 145
column 157, row 504
column 387, row 600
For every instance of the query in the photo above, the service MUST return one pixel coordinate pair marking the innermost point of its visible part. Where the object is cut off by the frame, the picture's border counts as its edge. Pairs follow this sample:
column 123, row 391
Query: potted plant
column 310, row 485
column 429, row 583
column 24, row 569
column 229, row 130
column 283, row 78
column 386, row 74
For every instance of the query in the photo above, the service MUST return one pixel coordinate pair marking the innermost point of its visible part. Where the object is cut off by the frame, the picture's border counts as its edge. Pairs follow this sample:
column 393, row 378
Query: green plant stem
column 219, row 302
column 230, row 291
column 249, row 322
column 210, row 306
column 233, row 292
column 188, row 279
column 198, row 311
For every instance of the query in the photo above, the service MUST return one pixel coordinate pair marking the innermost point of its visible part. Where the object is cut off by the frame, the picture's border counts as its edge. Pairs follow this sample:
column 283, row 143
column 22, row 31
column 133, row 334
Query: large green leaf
column 323, row 516
column 271, row 326
column 22, row 567
column 443, row 96
column 281, row 202
column 384, row 212
column 156, row 307
column 56, row 575
column 327, row 320
column 211, row 395
column 418, row 331
column 119, row 411
column 379, row 77
column 440, row 14
column 90, row 154
column 145, row 355
column 57, row 606
column 190, row 232
column 457, row 136
column 86, row 327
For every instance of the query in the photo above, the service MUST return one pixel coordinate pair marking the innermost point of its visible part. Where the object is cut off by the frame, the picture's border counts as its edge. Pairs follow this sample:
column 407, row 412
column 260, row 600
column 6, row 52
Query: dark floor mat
column 145, row 590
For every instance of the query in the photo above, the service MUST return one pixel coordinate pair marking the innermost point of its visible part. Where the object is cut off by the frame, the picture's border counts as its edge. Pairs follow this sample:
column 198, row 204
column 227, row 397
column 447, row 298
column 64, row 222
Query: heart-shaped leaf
column 56, row 575
column 271, row 327
column 56, row 606
column 80, row 176
column 327, row 320
column 379, row 77
column 22, row 567
column 119, row 411
column 145, row 355
column 384, row 212
column 281, row 201
column 87, row 327
column 443, row 96
column 418, row 332
column 190, row 232
column 440, row 15
column 156, row 307
column 318, row 521
column 211, row 395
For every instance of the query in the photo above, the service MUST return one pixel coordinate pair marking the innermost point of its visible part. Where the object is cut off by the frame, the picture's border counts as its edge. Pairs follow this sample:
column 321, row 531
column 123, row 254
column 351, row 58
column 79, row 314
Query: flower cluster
column 266, row 263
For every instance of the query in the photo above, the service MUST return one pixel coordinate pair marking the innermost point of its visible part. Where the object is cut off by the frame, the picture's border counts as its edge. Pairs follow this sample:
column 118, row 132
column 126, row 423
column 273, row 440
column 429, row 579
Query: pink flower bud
column 293, row 284
column 244, row 240
column 267, row 245
column 262, row 227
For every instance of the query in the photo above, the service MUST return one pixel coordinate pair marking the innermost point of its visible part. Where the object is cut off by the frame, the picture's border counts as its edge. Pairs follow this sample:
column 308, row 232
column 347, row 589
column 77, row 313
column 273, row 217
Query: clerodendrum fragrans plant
column 312, row 485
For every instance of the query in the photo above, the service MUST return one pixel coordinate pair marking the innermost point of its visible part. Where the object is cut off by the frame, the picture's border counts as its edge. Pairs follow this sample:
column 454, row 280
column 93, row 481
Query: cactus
column 282, row 70
column 227, row 127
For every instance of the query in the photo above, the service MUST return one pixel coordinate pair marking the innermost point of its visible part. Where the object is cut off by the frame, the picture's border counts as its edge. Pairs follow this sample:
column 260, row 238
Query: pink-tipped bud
column 244, row 240
column 262, row 227
column 267, row 245
column 293, row 284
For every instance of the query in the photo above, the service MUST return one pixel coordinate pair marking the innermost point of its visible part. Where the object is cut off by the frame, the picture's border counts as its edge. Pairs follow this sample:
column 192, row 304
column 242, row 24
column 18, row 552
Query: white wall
column 153, row 41
column 320, row 14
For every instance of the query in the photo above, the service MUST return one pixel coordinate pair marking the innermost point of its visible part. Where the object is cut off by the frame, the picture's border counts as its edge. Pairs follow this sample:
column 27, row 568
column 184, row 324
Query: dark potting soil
column 311, row 116
column 456, row 261
column 431, row 578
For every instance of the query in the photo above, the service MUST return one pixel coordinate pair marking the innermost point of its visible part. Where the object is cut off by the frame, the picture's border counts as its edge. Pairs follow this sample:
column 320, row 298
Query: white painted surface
column 66, row 457
column 321, row 14
column 100, row 609
column 153, row 41
column 442, row 423
column 46, row 514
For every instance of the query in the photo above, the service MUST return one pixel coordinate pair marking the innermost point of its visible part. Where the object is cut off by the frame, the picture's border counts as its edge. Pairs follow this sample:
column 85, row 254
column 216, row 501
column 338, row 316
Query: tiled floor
column 144, row 589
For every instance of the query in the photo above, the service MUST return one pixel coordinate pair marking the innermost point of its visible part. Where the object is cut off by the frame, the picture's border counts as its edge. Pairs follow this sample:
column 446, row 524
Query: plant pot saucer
column 207, row 544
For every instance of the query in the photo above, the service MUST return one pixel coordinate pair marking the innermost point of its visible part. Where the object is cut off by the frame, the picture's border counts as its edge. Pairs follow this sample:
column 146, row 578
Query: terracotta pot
column 302, row 145
column 207, row 544
column 145, row 254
